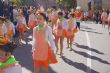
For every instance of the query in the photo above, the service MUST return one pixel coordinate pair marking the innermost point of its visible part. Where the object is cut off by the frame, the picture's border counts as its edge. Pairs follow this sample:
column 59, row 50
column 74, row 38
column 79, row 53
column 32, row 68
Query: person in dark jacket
column 1, row 8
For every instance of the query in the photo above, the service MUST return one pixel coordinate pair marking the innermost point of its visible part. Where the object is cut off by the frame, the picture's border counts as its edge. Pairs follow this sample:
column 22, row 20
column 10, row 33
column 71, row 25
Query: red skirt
column 69, row 33
column 22, row 28
column 59, row 33
column 50, row 60
column 75, row 30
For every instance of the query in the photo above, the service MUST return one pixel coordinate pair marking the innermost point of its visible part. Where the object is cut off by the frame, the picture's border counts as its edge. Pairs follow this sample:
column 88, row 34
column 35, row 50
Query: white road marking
column 88, row 52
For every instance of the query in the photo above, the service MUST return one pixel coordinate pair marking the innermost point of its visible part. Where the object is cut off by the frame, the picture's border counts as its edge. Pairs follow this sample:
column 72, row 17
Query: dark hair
column 2, row 18
column 7, row 17
column 60, row 13
column 72, row 15
column 9, row 47
column 44, row 16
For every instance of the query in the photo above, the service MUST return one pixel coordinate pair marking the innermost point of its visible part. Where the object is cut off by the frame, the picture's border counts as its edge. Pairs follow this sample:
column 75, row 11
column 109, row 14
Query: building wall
column 84, row 4
column 46, row 3
column 106, row 4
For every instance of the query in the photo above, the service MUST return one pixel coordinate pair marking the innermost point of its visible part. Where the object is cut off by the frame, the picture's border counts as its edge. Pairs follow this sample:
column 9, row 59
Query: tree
column 67, row 3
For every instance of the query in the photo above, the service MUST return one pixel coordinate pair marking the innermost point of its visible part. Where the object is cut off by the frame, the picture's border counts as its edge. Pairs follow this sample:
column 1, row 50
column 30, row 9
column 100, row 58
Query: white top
column 74, row 24
column 21, row 20
column 64, row 23
column 15, row 69
column 5, row 29
column 32, row 17
column 15, row 13
column 49, row 37
column 104, row 15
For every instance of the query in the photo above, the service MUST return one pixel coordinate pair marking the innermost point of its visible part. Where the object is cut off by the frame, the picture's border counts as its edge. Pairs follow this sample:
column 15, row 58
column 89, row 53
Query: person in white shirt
column 15, row 13
column 9, row 28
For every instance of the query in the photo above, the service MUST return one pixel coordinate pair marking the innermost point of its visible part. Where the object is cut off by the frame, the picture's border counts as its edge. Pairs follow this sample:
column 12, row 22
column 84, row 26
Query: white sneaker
column 23, row 42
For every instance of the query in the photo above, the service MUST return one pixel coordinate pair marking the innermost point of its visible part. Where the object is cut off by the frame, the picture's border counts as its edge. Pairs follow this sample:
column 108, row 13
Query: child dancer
column 32, row 22
column 10, row 29
column 44, row 45
column 21, row 26
column 59, row 32
column 70, row 34
column 8, row 63
column 104, row 18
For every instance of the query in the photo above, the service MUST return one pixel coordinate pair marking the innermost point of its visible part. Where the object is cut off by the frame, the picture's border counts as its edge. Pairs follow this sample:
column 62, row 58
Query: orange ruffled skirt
column 59, row 33
column 10, row 34
column 50, row 60
column 70, row 33
column 22, row 28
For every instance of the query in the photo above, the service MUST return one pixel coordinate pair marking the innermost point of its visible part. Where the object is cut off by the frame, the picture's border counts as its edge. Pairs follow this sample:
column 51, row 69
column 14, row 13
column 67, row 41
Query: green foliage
column 67, row 3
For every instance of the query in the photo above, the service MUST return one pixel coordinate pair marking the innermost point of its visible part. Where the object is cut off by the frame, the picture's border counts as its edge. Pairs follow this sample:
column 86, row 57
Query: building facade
column 106, row 4
column 46, row 3
column 85, row 4
column 95, row 4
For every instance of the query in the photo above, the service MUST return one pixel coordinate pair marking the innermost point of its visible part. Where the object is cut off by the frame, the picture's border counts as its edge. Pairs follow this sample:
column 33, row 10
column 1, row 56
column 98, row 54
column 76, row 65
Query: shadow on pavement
column 91, row 31
column 79, row 66
column 51, row 70
column 88, row 48
column 86, row 27
column 24, row 55
column 91, row 57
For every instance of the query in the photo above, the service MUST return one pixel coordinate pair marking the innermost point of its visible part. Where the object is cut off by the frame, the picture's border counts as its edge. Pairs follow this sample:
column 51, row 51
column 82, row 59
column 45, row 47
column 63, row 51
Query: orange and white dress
column 9, row 30
column 2, row 30
column 43, row 46
column 104, row 17
column 32, row 21
column 60, row 28
column 53, row 17
column 70, row 28
column 21, row 24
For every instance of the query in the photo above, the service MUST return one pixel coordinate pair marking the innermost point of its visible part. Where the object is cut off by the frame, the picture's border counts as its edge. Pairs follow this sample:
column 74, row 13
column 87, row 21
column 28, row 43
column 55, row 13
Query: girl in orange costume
column 43, row 41
column 10, row 29
column 70, row 34
column 52, row 16
column 59, row 32
column 21, row 26
column 32, row 22
column 104, row 18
